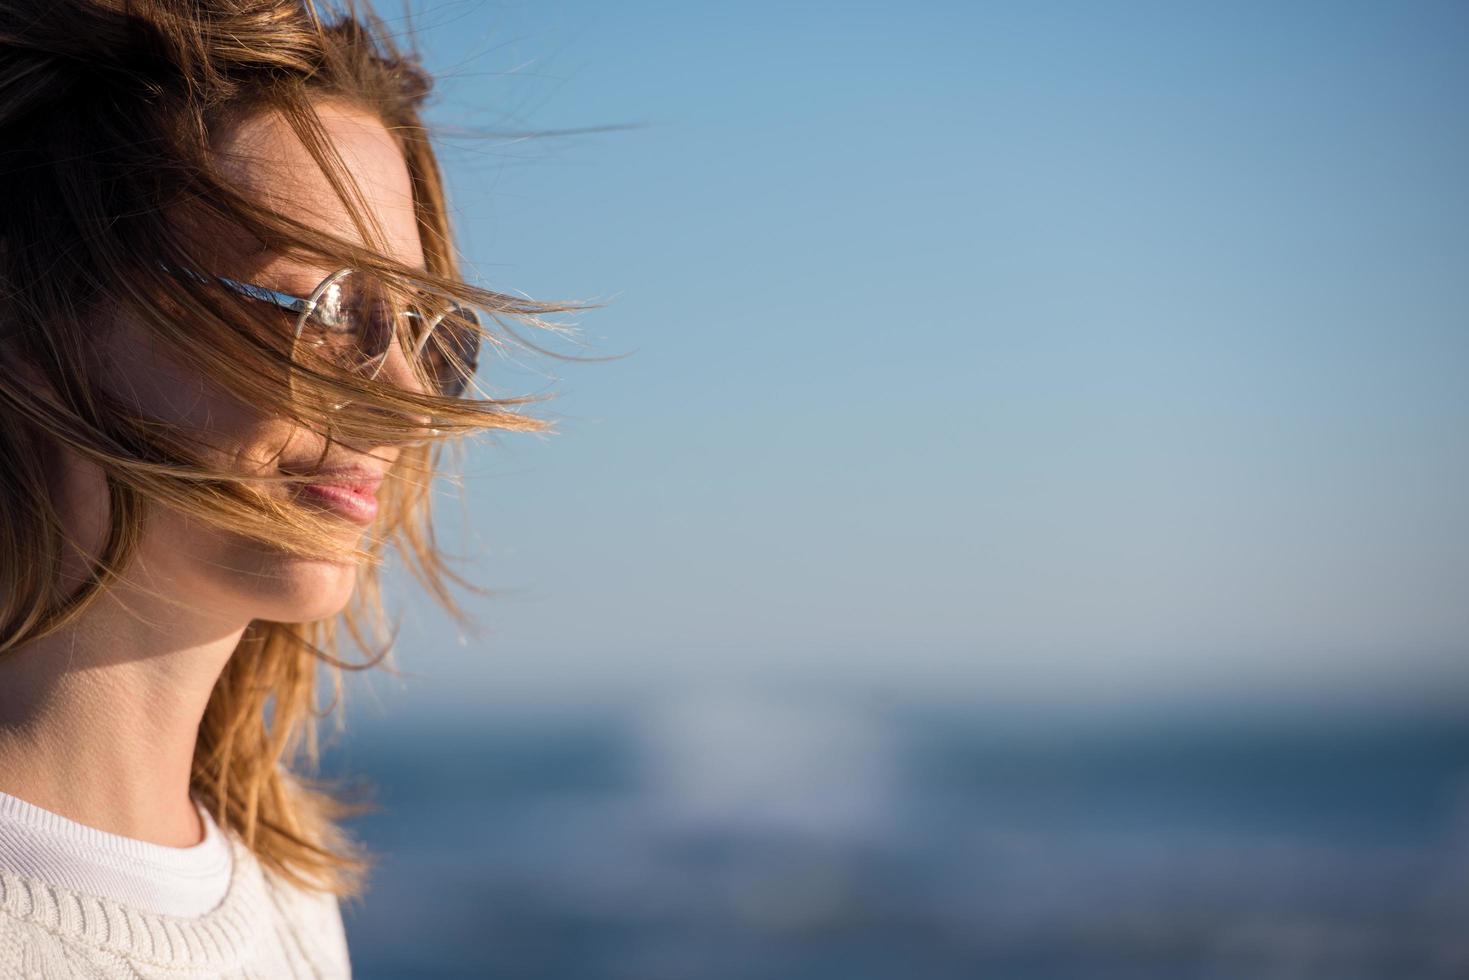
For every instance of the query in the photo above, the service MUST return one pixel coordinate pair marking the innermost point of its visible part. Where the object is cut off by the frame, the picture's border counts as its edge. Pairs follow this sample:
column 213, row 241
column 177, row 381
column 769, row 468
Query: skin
column 98, row 722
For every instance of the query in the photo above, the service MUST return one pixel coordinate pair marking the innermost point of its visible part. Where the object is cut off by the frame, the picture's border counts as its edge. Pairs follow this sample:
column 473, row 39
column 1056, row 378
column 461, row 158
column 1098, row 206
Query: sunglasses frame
column 305, row 306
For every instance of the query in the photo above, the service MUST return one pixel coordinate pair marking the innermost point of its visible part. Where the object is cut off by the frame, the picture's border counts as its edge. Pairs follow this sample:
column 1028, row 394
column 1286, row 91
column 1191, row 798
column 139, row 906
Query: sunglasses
column 352, row 317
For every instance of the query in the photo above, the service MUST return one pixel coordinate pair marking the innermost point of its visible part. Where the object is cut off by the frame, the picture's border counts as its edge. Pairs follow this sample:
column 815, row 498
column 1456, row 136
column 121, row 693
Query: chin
column 247, row 581
column 302, row 590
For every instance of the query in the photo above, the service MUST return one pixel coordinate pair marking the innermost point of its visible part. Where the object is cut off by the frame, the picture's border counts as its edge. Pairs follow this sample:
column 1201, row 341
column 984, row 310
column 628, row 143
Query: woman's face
column 218, row 572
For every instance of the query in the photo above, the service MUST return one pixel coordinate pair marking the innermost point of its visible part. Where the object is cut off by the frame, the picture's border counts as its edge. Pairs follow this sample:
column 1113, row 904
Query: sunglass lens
column 352, row 325
column 451, row 352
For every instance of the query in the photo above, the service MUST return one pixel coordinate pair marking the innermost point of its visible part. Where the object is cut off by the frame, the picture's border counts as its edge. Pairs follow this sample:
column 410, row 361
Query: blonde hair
column 107, row 110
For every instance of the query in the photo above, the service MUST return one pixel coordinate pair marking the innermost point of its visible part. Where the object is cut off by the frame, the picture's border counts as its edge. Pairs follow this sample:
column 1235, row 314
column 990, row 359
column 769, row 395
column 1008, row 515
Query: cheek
column 232, row 435
column 219, row 571
column 242, row 578
column 235, row 578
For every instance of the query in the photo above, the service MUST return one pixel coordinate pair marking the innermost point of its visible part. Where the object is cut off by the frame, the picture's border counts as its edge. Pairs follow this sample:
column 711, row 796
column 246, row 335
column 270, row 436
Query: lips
column 349, row 493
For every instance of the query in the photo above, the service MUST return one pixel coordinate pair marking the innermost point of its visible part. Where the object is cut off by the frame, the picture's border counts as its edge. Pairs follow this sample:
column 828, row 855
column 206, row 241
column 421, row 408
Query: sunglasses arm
column 285, row 301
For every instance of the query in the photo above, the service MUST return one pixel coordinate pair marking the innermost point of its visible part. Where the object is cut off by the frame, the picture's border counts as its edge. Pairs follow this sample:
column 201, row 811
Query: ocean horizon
column 771, row 838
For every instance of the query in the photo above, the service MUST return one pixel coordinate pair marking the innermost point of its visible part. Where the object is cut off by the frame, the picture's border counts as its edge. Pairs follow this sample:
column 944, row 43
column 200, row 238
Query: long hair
column 107, row 112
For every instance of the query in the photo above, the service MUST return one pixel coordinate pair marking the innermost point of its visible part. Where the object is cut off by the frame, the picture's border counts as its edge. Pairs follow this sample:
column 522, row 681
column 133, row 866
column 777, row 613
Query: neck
column 98, row 721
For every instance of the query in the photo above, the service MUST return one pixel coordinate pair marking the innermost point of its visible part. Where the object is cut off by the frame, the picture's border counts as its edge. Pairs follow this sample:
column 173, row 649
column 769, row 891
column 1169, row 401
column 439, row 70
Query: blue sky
column 1062, row 352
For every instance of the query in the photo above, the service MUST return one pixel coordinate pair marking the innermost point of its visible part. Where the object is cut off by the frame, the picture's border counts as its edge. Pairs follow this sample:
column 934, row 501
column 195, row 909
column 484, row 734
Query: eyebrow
column 264, row 248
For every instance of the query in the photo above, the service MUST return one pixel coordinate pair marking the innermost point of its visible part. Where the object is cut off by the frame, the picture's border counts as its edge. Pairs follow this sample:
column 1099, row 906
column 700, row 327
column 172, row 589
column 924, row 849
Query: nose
column 398, row 370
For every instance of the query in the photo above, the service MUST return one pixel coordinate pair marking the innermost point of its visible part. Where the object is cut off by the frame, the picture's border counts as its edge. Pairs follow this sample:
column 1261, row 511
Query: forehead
column 263, row 155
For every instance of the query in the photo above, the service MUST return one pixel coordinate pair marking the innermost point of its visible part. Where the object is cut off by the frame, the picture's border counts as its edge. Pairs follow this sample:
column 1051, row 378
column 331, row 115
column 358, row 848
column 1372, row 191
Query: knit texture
column 262, row 929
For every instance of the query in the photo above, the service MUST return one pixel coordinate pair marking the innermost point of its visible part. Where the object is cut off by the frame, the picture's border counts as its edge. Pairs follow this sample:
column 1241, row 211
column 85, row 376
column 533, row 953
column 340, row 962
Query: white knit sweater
column 78, row 902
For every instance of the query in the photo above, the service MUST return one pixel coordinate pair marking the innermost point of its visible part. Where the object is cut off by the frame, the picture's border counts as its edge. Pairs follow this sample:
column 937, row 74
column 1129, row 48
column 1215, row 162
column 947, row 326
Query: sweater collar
column 177, row 881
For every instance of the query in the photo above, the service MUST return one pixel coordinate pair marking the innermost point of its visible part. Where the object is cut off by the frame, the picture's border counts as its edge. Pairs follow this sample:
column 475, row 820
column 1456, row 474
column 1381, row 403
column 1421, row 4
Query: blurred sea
column 768, row 838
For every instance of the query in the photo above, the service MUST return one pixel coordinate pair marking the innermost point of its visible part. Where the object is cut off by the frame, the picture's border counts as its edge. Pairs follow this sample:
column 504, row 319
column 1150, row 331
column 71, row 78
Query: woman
column 233, row 342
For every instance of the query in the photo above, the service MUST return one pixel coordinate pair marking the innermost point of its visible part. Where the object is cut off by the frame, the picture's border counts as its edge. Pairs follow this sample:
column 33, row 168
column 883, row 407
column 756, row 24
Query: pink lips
column 351, row 494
